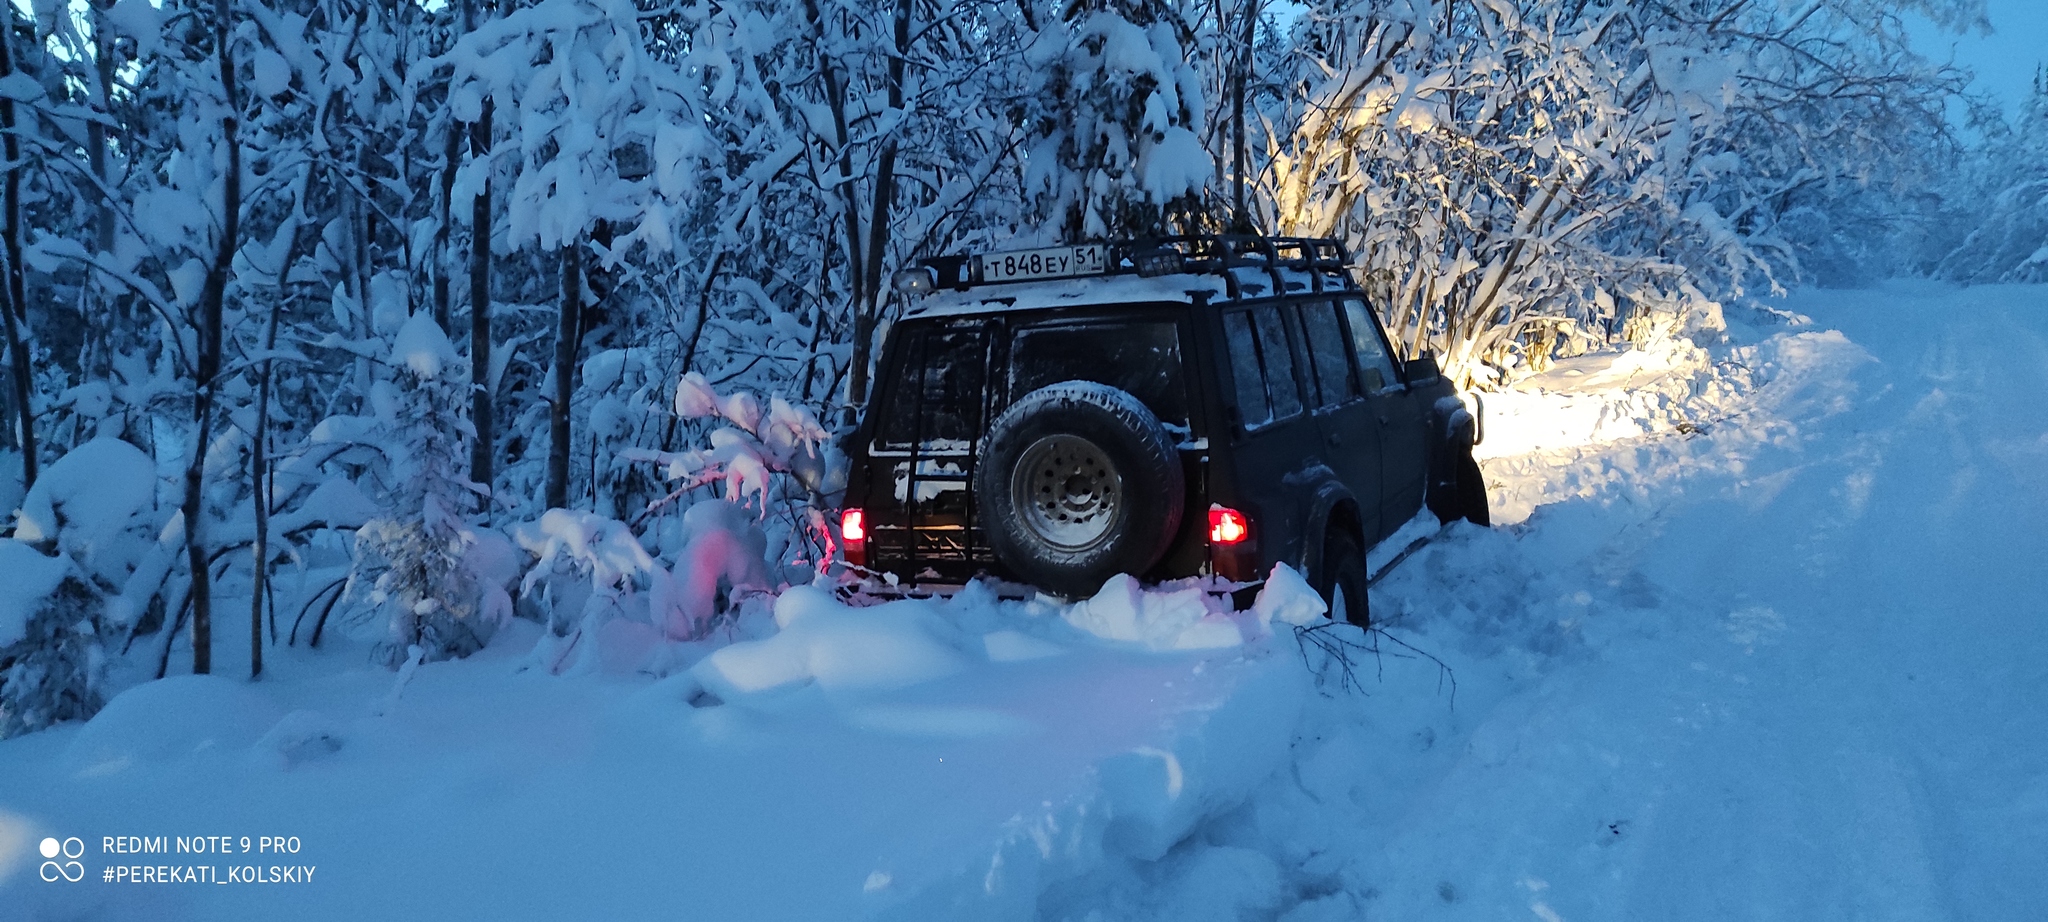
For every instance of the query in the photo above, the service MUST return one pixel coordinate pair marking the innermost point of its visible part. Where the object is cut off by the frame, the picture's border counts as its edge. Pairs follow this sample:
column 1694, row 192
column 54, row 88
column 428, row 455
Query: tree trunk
column 849, row 205
column 444, row 209
column 17, row 299
column 1241, row 219
column 112, row 328
column 444, row 263
column 481, row 409
column 566, row 335
column 703, row 312
column 207, row 370
column 359, row 245
column 868, row 300
column 259, row 480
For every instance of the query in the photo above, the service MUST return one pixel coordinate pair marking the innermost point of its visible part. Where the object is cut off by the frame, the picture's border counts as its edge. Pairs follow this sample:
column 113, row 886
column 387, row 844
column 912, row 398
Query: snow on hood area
column 1758, row 634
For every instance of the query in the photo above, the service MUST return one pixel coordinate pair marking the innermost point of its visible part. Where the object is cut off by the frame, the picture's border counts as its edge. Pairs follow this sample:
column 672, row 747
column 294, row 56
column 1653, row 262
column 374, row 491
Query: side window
column 1375, row 364
column 1142, row 358
column 1262, row 365
column 1252, row 405
column 939, row 400
column 1278, row 361
column 1324, row 339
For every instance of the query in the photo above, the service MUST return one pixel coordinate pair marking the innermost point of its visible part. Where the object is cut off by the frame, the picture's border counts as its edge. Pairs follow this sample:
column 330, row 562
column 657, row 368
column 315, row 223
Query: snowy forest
column 403, row 319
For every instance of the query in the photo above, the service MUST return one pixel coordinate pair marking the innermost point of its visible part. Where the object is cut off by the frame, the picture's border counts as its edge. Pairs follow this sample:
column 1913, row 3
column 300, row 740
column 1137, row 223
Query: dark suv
column 1188, row 407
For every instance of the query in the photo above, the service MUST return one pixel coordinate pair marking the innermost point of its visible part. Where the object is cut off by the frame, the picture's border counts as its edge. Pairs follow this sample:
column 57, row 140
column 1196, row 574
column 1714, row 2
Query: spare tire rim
column 1068, row 492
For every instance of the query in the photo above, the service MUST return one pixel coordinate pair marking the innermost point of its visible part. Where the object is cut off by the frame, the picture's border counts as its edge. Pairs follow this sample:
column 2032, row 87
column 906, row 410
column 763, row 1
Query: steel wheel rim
column 1067, row 492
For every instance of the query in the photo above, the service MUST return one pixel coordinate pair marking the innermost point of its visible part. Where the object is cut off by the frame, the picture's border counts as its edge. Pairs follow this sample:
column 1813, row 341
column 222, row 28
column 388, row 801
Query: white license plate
column 1053, row 262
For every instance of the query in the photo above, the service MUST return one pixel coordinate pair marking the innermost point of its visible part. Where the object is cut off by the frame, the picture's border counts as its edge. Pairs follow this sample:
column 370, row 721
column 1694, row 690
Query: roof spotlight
column 1158, row 261
column 916, row 281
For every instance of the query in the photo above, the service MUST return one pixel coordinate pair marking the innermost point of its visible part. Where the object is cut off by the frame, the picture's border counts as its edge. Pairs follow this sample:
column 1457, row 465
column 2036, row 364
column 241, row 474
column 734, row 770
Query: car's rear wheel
column 1342, row 579
column 1077, row 482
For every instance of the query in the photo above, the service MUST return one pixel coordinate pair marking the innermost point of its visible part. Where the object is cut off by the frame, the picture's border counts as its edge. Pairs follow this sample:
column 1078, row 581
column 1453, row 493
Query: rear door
column 1398, row 413
column 1347, row 420
column 1276, row 437
column 922, row 458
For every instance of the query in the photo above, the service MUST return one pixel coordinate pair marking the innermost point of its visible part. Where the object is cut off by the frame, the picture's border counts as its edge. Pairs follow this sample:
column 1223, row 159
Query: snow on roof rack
column 1323, row 261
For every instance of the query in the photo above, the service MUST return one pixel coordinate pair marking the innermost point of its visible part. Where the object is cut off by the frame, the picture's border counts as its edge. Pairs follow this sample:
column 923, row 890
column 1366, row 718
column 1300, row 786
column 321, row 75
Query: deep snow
column 1759, row 637
column 1789, row 666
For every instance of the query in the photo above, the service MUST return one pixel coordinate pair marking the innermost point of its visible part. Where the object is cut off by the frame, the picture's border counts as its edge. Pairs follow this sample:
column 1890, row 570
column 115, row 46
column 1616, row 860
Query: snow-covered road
column 1792, row 667
column 1789, row 664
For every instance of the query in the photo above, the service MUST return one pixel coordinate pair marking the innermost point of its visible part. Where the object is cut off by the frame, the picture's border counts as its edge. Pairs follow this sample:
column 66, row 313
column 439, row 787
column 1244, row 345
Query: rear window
column 1141, row 357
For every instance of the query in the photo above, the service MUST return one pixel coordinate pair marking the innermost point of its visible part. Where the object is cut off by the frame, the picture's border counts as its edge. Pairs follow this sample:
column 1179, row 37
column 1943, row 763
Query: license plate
column 1052, row 262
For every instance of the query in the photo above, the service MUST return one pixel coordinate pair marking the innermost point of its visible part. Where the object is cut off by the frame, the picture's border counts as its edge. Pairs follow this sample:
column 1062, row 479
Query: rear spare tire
column 1075, row 483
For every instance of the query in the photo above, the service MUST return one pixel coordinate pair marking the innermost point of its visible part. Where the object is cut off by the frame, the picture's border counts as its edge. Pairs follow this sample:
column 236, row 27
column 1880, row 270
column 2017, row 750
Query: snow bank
column 1225, row 728
column 1185, row 619
column 912, row 641
column 950, row 758
column 1156, row 796
column 1605, row 397
column 840, row 648
column 1287, row 598
column 1615, row 405
column 31, row 577
column 89, row 495
column 1670, row 385
column 1160, row 710
column 301, row 736
column 156, row 723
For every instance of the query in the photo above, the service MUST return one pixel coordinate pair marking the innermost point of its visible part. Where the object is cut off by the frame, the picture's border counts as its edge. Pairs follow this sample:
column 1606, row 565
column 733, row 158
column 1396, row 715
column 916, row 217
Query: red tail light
column 853, row 530
column 1228, row 526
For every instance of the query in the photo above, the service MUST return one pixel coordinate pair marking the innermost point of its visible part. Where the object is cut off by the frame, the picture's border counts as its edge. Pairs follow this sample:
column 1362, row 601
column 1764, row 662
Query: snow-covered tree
column 419, row 548
column 1524, row 176
column 609, row 144
column 86, row 531
column 1117, row 121
column 2007, row 240
column 52, row 655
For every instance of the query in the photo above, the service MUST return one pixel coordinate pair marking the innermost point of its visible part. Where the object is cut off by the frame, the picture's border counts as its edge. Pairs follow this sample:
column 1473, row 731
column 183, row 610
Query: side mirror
column 1423, row 368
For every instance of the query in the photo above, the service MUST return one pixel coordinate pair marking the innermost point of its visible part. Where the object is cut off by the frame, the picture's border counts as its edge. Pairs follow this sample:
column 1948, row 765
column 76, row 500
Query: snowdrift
column 918, row 759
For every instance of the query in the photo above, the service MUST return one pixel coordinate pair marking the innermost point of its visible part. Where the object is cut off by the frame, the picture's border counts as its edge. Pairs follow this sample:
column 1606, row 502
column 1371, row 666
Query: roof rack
column 1323, row 262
